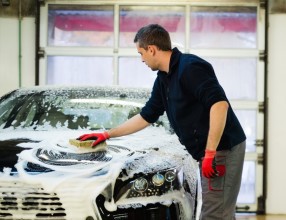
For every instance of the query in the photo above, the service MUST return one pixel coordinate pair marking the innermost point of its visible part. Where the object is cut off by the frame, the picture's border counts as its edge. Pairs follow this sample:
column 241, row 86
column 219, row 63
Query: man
column 200, row 114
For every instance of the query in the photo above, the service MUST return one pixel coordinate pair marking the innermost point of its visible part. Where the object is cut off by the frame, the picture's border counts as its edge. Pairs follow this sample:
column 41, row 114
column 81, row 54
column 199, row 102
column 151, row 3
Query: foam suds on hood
column 81, row 183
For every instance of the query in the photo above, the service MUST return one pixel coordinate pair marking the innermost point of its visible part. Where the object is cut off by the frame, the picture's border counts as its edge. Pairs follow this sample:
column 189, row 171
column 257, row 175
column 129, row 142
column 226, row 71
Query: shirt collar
column 174, row 59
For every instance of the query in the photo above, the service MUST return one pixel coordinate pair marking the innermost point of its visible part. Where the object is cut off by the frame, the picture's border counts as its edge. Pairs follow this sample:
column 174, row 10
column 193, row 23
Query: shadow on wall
column 277, row 6
column 28, row 8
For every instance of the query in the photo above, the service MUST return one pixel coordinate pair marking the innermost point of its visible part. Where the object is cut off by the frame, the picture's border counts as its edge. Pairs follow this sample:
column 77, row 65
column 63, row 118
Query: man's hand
column 209, row 165
column 98, row 137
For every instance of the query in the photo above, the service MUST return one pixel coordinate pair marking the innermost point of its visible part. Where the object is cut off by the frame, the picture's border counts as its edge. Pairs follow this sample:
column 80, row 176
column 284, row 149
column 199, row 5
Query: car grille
column 21, row 201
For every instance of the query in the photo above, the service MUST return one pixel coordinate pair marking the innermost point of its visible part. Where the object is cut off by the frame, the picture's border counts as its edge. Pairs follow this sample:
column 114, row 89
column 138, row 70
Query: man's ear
column 152, row 49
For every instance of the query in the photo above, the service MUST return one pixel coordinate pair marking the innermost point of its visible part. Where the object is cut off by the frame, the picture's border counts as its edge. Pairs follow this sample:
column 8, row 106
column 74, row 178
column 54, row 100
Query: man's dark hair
column 153, row 34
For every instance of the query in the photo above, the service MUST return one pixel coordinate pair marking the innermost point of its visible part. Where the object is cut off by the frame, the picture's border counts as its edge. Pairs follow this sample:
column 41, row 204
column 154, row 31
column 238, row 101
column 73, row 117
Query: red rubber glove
column 209, row 165
column 98, row 137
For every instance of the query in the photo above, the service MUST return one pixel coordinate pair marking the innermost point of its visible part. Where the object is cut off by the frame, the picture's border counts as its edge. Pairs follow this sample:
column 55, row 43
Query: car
column 145, row 175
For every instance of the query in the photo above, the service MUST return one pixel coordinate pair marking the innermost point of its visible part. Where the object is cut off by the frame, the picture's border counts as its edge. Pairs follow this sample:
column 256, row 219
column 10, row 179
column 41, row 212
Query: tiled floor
column 261, row 217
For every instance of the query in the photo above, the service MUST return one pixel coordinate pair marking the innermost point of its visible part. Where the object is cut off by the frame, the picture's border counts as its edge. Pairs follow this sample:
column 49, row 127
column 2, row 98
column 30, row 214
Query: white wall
column 28, row 52
column 9, row 53
column 276, row 192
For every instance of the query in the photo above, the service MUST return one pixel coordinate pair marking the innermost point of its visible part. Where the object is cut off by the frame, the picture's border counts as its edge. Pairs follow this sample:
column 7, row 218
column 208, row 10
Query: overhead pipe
column 20, row 44
column 37, row 42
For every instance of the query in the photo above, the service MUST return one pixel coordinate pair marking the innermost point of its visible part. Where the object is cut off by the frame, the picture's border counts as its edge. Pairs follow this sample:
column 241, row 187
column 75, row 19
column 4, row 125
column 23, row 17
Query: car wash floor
column 260, row 217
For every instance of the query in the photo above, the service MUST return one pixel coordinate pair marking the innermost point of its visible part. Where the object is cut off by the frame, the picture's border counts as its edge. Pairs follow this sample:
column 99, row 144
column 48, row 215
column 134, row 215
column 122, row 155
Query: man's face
column 147, row 56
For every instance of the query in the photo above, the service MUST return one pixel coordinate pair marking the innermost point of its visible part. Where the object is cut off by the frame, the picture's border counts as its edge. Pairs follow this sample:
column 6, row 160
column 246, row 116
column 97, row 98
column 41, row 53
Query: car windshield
column 66, row 109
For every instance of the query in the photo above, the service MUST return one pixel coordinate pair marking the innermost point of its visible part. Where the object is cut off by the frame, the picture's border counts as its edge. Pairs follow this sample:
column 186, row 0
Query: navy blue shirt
column 187, row 93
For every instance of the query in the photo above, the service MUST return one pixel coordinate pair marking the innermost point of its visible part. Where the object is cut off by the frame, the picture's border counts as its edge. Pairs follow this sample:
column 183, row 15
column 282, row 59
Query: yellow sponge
column 87, row 145
column 78, row 143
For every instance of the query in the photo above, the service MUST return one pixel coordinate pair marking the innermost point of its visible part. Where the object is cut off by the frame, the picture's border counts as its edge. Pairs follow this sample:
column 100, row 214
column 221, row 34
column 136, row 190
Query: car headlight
column 152, row 184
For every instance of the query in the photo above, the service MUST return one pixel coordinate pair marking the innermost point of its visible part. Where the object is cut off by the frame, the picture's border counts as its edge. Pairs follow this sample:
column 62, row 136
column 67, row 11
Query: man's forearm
column 132, row 125
column 218, row 114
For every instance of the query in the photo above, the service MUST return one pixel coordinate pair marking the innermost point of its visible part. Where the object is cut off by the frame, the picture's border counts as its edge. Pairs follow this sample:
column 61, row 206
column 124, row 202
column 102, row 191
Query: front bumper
column 149, row 212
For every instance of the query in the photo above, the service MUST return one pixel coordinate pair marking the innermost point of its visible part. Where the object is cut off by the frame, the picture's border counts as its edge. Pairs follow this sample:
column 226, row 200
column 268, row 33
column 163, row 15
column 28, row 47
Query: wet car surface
column 146, row 175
